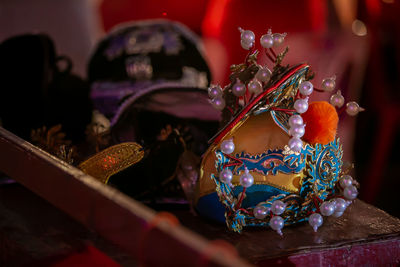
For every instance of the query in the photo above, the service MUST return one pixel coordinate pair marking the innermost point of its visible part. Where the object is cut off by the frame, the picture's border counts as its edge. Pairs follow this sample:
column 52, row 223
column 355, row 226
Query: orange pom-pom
column 321, row 121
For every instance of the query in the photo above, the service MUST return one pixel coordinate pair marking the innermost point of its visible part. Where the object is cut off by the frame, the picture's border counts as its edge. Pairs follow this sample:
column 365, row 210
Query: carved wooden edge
column 118, row 218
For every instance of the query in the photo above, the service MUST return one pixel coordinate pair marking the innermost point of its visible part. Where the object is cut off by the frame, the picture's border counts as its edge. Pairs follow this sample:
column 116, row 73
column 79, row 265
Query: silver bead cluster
column 255, row 86
column 226, row 175
column 297, row 127
column 263, row 75
column 272, row 39
column 277, row 208
column 268, row 40
column 347, row 182
column 277, row 222
column 337, row 99
column 336, row 206
column 215, row 94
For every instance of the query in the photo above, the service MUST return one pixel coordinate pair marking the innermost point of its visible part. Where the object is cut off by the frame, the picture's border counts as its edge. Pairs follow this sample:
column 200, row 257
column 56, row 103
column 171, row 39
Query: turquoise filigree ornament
column 322, row 174
column 266, row 182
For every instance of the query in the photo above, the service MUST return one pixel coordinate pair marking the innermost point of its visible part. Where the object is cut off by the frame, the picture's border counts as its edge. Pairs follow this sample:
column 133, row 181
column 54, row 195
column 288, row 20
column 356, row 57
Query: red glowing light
column 214, row 17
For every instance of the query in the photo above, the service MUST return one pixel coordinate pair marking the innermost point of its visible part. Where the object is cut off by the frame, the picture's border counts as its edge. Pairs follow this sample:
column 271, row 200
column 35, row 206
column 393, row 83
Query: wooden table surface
column 363, row 235
column 31, row 229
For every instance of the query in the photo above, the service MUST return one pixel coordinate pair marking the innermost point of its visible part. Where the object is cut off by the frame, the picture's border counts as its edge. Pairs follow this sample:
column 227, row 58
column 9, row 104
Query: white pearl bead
column 278, row 38
column 301, row 105
column 278, row 207
column 255, row 87
column 214, row 91
column 226, row 176
column 295, row 120
column 346, row 181
column 315, row 220
column 340, row 205
column 327, row 208
column 260, row 212
column 306, row 88
column 218, row 103
column 328, row 84
column 297, row 131
column 295, row 144
column 246, row 179
column 238, row 89
column 247, row 36
column 245, row 45
column 350, row 192
column 277, row 223
column 352, row 108
column 227, row 146
column 267, row 41
column 337, row 100
column 263, row 74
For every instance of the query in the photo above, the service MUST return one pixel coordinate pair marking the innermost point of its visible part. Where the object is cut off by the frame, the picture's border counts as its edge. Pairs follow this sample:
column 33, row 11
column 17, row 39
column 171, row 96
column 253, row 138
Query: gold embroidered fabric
column 257, row 135
column 112, row 160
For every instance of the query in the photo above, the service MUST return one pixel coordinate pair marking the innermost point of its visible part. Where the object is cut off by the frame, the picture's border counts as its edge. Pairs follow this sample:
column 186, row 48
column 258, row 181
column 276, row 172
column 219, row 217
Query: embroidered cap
column 277, row 160
column 148, row 59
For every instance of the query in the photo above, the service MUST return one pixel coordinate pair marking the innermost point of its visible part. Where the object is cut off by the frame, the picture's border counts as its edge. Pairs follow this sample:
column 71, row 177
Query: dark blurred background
column 358, row 41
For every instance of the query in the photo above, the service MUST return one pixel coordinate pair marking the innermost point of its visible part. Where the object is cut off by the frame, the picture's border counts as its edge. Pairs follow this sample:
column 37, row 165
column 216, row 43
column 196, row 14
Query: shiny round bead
column 278, row 207
column 267, row 41
column 245, row 45
column 337, row 100
column 263, row 74
column 277, row 223
column 226, row 176
column 218, row 103
column 246, row 179
column 260, row 212
column 327, row 208
column 328, row 84
column 255, row 86
column 352, row 108
column 340, row 205
column 337, row 214
column 227, row 146
column 350, row 192
column 247, row 36
column 278, row 39
column 295, row 144
column 238, row 89
column 214, row 91
column 345, row 181
column 315, row 220
column 297, row 131
column 306, row 88
column 295, row 120
column 301, row 105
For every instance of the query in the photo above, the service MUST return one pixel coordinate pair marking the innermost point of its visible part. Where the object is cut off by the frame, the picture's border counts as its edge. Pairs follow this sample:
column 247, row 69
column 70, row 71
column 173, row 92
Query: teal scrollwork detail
column 323, row 168
column 321, row 165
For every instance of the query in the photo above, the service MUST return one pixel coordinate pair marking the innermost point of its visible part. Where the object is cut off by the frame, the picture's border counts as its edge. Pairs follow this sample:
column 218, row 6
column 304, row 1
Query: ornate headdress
column 276, row 161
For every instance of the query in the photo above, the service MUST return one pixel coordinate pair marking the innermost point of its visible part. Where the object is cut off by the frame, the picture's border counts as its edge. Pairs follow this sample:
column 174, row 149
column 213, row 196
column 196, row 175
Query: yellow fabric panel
column 254, row 136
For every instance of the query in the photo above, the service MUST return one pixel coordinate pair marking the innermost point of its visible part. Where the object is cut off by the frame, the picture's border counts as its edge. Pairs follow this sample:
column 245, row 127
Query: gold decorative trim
column 112, row 160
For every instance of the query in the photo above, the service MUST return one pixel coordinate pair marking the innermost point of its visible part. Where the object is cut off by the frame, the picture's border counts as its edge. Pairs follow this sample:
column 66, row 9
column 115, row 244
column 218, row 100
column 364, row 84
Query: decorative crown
column 277, row 160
